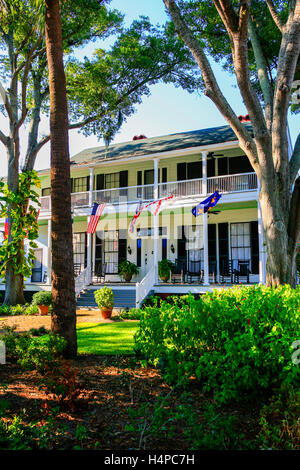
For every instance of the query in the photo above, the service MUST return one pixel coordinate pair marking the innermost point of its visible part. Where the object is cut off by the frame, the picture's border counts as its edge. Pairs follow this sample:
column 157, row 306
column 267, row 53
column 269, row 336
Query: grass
column 106, row 338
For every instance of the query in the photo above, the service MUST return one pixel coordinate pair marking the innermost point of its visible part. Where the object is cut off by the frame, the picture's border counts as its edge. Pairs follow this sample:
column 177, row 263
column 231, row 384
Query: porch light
column 129, row 251
column 172, row 248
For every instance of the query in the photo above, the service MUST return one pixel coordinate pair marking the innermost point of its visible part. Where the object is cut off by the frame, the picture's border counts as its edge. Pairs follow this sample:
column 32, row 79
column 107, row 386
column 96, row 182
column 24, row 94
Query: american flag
column 138, row 210
column 95, row 217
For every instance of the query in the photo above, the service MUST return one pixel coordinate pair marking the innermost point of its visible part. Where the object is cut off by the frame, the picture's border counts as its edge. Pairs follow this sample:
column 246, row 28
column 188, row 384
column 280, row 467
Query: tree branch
column 275, row 16
column 287, row 62
column 4, row 139
column 262, row 73
column 212, row 88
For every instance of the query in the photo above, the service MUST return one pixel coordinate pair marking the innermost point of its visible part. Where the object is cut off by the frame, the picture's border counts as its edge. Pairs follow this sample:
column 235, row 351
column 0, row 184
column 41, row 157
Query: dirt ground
column 114, row 391
column 26, row 322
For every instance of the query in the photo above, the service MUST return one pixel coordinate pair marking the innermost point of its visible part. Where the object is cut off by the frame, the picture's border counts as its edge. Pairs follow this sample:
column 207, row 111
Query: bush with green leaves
column 5, row 309
column 132, row 314
column 280, row 422
column 234, row 341
column 42, row 298
column 165, row 267
column 104, row 297
column 127, row 269
column 33, row 353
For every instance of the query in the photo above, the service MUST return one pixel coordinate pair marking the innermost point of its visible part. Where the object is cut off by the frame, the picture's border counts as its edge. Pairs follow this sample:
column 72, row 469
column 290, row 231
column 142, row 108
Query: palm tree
column 63, row 289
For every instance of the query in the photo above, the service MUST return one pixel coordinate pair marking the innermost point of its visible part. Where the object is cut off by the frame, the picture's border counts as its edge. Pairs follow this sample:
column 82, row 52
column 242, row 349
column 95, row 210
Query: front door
column 37, row 270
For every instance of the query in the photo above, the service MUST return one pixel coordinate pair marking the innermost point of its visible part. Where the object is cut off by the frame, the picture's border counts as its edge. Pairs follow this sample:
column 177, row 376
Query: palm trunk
column 63, row 289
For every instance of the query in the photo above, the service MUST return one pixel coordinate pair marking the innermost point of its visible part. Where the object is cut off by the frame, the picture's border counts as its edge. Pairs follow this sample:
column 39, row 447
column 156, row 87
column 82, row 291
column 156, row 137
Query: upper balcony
column 243, row 182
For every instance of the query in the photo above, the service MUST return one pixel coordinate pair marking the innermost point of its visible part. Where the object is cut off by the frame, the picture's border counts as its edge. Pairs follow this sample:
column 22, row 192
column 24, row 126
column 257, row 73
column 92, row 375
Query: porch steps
column 123, row 298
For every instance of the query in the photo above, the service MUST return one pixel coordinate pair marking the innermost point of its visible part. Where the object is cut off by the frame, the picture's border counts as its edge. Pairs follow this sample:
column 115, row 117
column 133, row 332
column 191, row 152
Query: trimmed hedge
column 234, row 341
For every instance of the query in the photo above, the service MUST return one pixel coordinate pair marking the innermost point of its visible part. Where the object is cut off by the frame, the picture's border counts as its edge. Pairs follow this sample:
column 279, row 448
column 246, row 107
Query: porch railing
column 180, row 188
column 144, row 286
column 232, row 183
column 224, row 184
column 81, row 281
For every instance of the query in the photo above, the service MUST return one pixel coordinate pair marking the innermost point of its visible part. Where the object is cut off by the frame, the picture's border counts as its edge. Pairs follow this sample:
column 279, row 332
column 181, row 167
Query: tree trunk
column 14, row 283
column 63, row 289
column 281, row 259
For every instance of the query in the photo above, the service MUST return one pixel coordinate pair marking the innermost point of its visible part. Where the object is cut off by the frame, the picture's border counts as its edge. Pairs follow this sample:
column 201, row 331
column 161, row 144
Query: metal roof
column 154, row 145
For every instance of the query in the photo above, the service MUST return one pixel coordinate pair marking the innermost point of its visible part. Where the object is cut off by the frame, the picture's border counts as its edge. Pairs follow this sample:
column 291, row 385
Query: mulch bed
column 112, row 388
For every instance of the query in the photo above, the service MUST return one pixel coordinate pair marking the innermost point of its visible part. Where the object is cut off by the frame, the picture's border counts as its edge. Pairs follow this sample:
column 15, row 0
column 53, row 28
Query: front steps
column 123, row 298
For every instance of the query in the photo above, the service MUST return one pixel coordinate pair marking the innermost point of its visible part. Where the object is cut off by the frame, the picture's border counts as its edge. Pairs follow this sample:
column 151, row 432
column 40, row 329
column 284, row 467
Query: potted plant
column 165, row 267
column 43, row 299
column 104, row 298
column 127, row 270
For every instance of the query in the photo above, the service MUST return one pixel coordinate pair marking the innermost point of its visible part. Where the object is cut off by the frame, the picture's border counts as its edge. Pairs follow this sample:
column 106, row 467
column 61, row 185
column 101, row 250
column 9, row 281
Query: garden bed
column 116, row 392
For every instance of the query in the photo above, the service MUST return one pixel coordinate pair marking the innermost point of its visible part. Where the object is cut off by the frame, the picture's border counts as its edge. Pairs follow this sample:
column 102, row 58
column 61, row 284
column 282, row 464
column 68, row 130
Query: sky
column 168, row 109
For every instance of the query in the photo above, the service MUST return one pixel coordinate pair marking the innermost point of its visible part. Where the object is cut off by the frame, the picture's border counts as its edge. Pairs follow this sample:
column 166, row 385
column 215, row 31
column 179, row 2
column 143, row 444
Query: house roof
column 153, row 145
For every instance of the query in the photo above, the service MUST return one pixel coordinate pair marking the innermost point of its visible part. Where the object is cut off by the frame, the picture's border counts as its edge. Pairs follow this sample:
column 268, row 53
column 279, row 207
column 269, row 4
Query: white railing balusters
column 224, row 184
column 81, row 281
column 144, row 286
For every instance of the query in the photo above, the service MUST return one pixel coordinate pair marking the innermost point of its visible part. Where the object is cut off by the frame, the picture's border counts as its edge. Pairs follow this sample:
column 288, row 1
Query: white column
column 205, row 219
column 156, row 222
column 91, row 187
column 89, row 254
column 262, row 267
column 49, row 263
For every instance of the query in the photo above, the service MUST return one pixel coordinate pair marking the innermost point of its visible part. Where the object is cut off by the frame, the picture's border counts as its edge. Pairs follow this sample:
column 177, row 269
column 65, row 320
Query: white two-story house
column 224, row 246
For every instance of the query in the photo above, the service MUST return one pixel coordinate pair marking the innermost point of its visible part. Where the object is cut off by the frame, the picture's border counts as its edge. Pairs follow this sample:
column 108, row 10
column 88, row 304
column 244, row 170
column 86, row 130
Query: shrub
column 280, row 422
column 42, row 298
column 5, row 309
column 104, row 297
column 33, row 353
column 17, row 309
column 31, row 309
column 165, row 266
column 132, row 314
column 128, row 269
column 233, row 341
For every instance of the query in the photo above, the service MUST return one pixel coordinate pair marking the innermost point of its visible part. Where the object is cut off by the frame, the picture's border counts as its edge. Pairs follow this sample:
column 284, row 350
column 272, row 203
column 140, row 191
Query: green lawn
column 106, row 338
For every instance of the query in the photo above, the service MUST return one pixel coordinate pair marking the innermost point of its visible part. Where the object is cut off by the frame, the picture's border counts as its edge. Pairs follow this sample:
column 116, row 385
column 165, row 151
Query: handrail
column 81, row 281
column 144, row 286
column 224, row 183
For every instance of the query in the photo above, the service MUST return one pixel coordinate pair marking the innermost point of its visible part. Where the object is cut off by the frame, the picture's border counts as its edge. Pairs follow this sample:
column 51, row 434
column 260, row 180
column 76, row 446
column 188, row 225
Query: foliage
column 17, row 434
column 204, row 429
column 280, row 422
column 234, row 341
column 126, row 267
column 104, row 297
column 5, row 309
column 23, row 224
column 61, row 381
column 41, row 331
column 33, row 353
column 42, row 298
column 165, row 266
column 27, row 309
column 155, row 300
column 131, row 314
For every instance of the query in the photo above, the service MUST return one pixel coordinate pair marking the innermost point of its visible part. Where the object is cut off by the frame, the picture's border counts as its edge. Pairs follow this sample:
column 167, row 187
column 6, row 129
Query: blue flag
column 207, row 204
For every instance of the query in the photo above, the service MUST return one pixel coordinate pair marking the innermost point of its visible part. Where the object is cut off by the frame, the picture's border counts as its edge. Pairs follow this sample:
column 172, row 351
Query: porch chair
column 194, row 271
column 226, row 271
column 243, row 271
column 179, row 271
column 101, row 272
